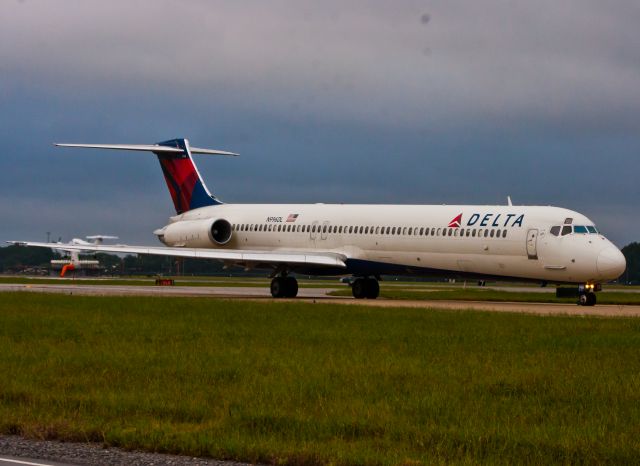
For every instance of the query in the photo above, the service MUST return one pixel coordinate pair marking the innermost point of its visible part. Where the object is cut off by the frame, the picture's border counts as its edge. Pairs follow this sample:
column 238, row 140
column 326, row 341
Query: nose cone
column 611, row 263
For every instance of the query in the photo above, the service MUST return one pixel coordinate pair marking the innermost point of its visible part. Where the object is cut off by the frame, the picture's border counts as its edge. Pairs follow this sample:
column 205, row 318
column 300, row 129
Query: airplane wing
column 235, row 256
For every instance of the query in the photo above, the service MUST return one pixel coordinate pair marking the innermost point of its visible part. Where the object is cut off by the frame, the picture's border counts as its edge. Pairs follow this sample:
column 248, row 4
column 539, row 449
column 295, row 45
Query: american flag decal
column 292, row 217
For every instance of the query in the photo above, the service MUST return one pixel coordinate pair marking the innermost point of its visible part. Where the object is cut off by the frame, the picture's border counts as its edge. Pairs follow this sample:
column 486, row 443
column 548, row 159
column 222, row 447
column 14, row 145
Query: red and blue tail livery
column 185, row 184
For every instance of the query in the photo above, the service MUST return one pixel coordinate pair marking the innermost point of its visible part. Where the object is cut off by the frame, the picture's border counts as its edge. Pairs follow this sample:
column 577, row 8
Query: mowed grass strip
column 494, row 295
column 293, row 383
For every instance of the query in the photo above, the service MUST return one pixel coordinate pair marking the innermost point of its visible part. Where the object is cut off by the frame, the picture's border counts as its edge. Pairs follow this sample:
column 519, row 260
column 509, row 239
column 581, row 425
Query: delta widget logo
column 455, row 223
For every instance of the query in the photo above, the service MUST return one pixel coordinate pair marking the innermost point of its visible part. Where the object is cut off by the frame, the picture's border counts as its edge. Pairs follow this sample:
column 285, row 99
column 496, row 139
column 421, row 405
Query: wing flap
column 323, row 259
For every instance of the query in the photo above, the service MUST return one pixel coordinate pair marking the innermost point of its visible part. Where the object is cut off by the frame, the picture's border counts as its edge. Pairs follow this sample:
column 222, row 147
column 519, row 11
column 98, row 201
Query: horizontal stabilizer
column 149, row 148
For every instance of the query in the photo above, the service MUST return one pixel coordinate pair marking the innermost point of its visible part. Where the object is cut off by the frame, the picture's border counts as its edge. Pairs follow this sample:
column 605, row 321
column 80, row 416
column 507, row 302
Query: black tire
column 587, row 299
column 359, row 288
column 291, row 287
column 373, row 288
column 278, row 287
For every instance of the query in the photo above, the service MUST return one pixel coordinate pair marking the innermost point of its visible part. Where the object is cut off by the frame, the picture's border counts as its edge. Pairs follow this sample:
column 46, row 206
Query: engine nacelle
column 196, row 233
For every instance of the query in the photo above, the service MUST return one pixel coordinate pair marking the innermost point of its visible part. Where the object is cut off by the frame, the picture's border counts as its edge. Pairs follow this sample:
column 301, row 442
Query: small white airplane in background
column 93, row 240
column 74, row 262
column 532, row 243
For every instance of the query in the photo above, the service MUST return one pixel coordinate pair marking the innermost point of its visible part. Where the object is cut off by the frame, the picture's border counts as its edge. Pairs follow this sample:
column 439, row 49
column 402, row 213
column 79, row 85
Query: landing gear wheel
column 278, row 287
column 359, row 288
column 587, row 299
column 365, row 288
column 373, row 288
column 291, row 287
column 284, row 287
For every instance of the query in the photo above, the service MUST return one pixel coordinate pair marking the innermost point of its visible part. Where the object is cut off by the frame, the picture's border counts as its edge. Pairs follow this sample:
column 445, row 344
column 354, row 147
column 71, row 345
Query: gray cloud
column 355, row 102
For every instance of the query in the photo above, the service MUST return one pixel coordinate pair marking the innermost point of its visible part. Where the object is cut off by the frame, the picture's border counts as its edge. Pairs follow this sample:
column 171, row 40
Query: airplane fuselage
column 516, row 242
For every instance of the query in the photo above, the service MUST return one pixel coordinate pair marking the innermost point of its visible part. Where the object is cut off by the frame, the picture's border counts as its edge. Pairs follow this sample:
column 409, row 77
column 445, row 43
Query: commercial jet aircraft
column 530, row 243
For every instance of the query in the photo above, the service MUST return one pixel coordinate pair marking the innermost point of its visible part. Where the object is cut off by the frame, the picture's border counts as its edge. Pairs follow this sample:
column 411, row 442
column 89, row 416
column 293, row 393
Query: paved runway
column 317, row 295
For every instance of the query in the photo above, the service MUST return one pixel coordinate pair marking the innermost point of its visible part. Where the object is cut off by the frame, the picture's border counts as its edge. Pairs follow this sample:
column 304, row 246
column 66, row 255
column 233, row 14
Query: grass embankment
column 493, row 295
column 309, row 384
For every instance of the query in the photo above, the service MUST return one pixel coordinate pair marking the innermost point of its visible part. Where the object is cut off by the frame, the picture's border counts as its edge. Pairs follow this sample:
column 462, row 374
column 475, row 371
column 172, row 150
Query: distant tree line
column 632, row 254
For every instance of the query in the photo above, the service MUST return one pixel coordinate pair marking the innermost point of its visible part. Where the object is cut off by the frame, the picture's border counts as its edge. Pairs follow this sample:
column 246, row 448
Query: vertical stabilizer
column 185, row 184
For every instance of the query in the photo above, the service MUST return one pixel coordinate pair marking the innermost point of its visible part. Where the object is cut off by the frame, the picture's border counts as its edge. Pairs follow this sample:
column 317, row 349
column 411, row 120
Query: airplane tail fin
column 185, row 184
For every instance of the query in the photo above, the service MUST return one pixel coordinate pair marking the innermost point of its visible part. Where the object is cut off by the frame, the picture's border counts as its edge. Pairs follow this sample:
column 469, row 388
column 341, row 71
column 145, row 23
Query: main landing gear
column 284, row 287
column 365, row 288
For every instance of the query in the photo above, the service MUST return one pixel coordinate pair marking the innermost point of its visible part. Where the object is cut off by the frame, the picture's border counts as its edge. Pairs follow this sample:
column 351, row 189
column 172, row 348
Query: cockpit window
column 566, row 230
column 592, row 229
column 580, row 229
column 555, row 231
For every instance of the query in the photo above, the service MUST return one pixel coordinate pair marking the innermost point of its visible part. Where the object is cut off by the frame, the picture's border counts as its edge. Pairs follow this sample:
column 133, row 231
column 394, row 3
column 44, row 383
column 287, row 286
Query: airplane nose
column 611, row 263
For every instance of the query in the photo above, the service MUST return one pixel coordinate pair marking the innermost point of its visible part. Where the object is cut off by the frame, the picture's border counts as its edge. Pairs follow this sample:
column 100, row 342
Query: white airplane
column 530, row 243
column 74, row 262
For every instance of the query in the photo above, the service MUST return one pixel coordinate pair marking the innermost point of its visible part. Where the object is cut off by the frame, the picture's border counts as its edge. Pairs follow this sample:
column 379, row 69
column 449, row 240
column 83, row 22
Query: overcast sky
column 368, row 102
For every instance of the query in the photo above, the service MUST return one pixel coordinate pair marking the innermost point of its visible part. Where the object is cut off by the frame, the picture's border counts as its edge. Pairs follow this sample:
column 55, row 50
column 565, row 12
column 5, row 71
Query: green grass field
column 308, row 384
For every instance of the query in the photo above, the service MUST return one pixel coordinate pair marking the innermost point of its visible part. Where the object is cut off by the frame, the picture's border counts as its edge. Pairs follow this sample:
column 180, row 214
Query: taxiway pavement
column 319, row 295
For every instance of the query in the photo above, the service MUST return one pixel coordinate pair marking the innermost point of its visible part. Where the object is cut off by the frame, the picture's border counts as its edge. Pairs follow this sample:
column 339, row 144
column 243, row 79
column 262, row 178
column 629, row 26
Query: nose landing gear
column 587, row 299
column 587, row 294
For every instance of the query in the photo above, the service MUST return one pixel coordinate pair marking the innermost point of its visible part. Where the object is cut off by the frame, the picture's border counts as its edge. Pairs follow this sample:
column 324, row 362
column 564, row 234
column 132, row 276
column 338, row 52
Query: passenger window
column 433, row 232
column 555, row 230
column 410, row 231
column 566, row 230
column 504, row 233
column 492, row 233
column 580, row 229
column 438, row 232
column 468, row 232
column 461, row 231
column 486, row 233
column 450, row 231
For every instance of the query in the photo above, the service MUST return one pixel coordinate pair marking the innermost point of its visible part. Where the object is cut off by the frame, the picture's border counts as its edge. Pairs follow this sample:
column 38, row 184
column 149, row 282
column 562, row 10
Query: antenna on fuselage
column 509, row 203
